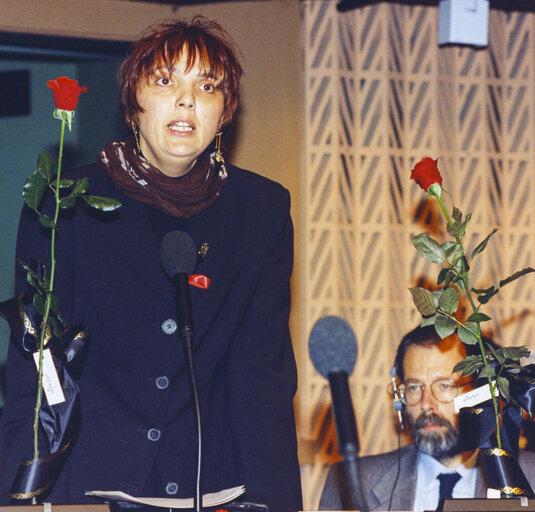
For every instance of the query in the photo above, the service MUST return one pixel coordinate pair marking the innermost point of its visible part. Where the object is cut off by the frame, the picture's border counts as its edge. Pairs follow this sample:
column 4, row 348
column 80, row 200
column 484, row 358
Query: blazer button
column 171, row 488
column 154, row 434
column 162, row 382
column 169, row 326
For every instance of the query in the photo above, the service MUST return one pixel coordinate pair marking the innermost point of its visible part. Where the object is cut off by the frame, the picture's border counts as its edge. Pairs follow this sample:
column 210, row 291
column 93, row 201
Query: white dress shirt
column 427, row 484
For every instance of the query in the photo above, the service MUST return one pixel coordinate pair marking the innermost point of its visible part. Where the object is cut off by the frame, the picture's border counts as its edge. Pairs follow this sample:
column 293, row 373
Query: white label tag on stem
column 493, row 494
column 51, row 385
column 474, row 397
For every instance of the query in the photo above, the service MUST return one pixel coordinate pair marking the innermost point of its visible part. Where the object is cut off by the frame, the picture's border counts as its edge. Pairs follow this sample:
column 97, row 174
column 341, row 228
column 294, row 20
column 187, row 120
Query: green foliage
column 424, row 300
column 469, row 365
column 503, row 386
column 516, row 275
column 478, row 317
column 39, row 304
column 33, row 190
column 67, row 202
column 81, row 187
column 46, row 166
column 104, row 204
column 65, row 183
column 438, row 307
column 483, row 296
column 458, row 227
column 445, row 325
column 468, row 334
column 46, row 221
column 430, row 249
column 481, row 247
column 454, row 252
column 449, row 300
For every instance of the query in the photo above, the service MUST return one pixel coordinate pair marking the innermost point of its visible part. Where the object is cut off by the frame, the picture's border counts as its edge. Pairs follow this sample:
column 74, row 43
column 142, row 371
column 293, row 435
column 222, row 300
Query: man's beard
column 440, row 445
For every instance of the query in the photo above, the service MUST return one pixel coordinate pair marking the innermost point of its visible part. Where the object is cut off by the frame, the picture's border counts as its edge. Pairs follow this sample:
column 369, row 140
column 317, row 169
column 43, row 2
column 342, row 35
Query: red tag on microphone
column 199, row 281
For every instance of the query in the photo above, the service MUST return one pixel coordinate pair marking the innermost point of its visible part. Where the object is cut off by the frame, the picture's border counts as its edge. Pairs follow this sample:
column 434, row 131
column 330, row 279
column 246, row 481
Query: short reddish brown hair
column 162, row 45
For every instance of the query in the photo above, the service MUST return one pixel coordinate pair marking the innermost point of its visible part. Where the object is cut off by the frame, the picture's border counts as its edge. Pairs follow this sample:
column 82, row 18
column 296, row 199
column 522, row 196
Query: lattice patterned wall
column 379, row 95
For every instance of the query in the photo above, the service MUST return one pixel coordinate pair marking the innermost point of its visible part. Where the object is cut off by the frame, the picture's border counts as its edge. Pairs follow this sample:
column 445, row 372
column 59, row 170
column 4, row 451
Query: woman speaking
column 179, row 90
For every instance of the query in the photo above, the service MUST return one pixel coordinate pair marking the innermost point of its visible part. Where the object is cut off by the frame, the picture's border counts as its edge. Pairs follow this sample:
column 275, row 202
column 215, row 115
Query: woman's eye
column 163, row 81
column 208, row 87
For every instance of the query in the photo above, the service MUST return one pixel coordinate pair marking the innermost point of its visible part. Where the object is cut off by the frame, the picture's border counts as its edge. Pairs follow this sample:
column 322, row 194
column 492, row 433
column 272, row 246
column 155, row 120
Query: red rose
column 66, row 92
column 426, row 172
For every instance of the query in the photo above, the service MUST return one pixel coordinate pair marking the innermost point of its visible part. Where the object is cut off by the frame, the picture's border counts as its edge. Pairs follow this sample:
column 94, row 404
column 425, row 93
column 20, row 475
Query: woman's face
column 182, row 114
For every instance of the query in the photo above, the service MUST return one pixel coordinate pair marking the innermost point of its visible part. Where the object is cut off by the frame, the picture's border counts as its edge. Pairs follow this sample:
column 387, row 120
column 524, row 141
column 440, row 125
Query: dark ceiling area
column 21, row 46
column 502, row 5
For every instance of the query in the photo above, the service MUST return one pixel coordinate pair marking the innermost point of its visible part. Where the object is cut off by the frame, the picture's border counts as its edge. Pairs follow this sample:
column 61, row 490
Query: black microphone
column 178, row 256
column 333, row 350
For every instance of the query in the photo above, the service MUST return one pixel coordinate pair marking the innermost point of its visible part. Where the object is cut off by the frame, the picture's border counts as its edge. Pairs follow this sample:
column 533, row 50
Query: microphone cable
column 397, row 473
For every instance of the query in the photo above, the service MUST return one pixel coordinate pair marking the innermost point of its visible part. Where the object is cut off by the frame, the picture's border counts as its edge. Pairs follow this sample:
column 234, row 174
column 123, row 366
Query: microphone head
column 332, row 346
column 178, row 253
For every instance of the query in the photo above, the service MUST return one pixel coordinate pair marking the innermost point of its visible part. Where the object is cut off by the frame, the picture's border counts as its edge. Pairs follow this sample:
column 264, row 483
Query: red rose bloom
column 66, row 92
column 426, row 172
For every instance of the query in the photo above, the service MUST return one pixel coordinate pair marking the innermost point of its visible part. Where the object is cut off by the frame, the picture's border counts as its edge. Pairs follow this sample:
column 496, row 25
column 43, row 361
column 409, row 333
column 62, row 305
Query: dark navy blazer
column 137, row 431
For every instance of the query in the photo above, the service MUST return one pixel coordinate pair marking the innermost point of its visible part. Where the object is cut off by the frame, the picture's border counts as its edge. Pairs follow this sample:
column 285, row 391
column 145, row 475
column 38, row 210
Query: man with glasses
column 417, row 476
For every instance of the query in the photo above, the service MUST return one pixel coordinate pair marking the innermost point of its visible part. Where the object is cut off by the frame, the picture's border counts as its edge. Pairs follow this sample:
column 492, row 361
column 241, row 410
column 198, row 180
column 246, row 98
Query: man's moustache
column 431, row 419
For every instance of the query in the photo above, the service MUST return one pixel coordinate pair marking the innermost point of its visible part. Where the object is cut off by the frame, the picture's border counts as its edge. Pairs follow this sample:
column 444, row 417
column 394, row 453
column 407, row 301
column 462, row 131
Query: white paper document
column 208, row 500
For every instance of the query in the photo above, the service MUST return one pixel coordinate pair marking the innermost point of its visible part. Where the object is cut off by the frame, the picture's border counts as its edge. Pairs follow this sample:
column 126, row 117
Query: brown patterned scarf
column 180, row 197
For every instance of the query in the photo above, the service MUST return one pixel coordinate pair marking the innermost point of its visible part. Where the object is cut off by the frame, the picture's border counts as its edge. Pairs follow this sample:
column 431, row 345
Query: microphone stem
column 187, row 336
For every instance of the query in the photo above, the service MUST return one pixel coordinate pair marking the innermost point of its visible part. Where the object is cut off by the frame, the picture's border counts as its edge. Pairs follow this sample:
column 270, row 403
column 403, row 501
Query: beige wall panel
column 380, row 95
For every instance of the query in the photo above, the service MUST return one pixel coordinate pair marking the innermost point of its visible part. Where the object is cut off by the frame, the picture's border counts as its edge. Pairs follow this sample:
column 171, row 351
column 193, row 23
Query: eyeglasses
column 444, row 390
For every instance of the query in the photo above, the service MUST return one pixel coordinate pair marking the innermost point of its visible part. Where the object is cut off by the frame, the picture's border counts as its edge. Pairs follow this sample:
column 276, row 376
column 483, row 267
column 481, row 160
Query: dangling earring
column 134, row 130
column 218, row 146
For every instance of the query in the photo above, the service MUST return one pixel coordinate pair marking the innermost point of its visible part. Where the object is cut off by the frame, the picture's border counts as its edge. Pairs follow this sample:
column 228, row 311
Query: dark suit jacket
column 137, row 431
column 378, row 474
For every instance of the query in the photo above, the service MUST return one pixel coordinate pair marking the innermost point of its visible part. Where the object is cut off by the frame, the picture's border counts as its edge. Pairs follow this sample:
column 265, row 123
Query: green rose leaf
column 45, row 279
column 459, row 227
column 516, row 275
column 66, row 183
column 34, row 283
column 453, row 252
column 429, row 320
column 478, row 317
column 445, row 326
column 81, row 187
column 469, row 365
column 483, row 296
column 515, row 353
column 46, row 222
column 445, row 276
column 482, row 245
column 497, row 353
column 33, row 190
column 468, row 334
column 67, row 202
column 38, row 304
column 104, row 204
column 449, row 300
column 487, row 371
column 424, row 300
column 56, row 328
column 46, row 165
column 503, row 386
column 428, row 248
column 29, row 270
column 55, row 309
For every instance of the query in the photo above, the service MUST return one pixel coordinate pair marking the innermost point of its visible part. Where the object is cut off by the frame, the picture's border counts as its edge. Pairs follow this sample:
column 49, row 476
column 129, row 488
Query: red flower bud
column 66, row 92
column 426, row 172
